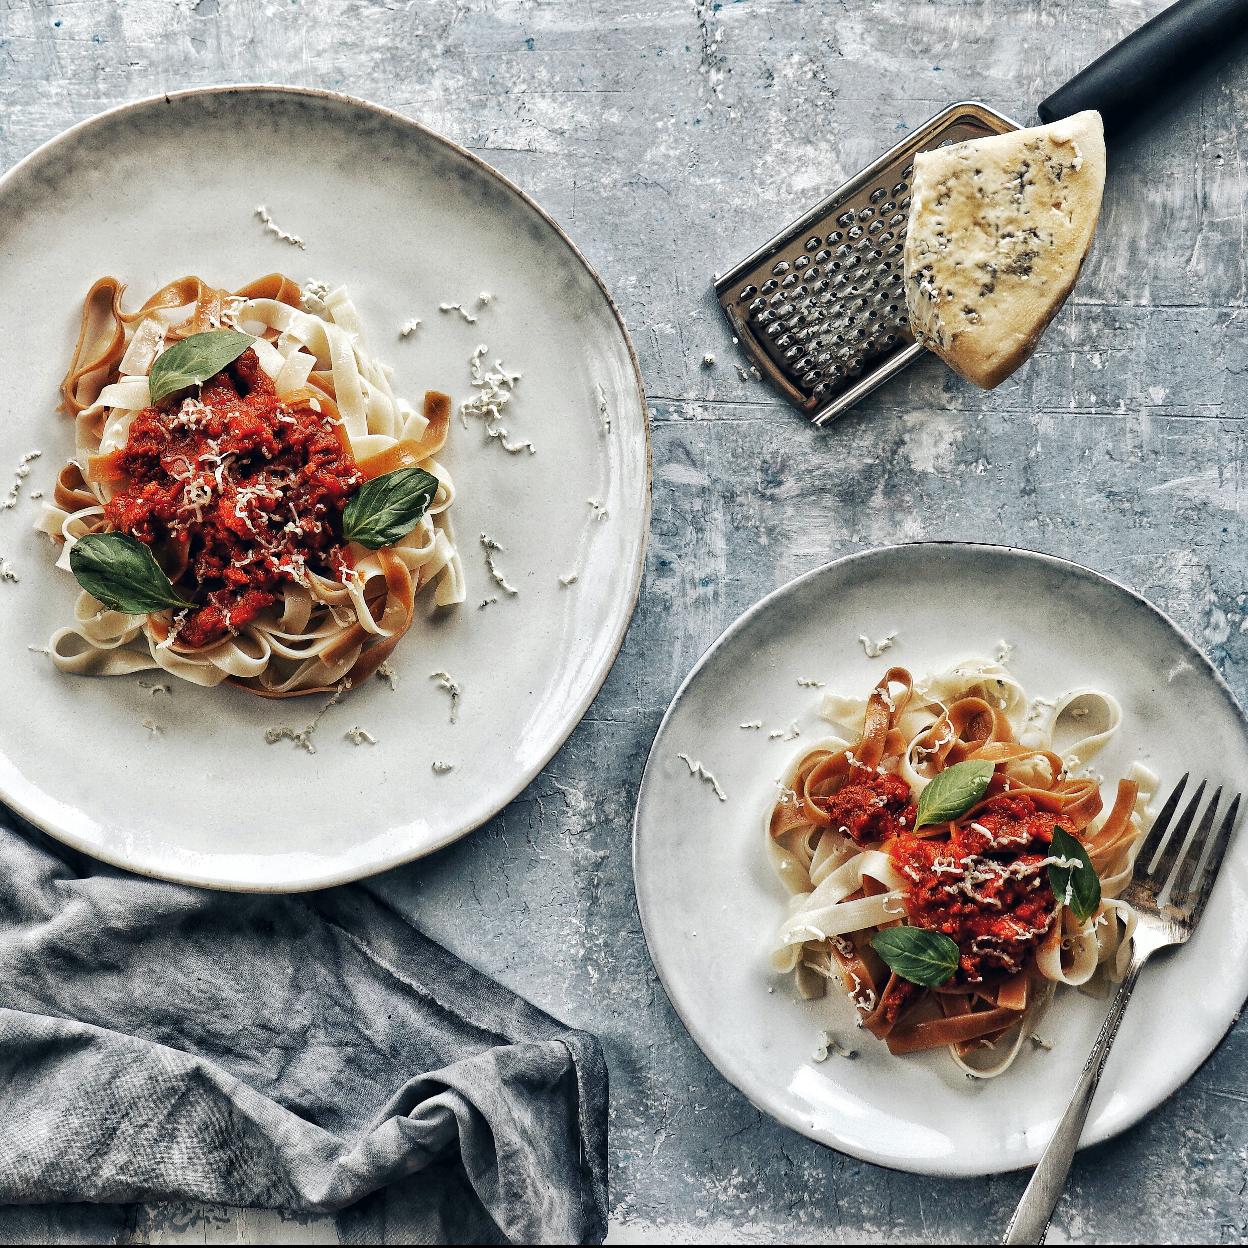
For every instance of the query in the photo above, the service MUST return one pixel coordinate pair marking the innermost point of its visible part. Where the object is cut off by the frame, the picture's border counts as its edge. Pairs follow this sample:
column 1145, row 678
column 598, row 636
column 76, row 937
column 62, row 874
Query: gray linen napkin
column 162, row 1043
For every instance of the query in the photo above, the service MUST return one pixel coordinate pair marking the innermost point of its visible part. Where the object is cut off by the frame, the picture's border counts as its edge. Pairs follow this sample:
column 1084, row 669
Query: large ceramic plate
column 709, row 903
column 407, row 221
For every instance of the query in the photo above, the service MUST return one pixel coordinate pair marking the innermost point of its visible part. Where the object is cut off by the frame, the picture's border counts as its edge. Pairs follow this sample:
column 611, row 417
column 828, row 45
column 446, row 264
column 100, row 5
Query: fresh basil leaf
column 918, row 954
column 193, row 360
column 387, row 508
column 953, row 792
column 1078, row 887
column 122, row 573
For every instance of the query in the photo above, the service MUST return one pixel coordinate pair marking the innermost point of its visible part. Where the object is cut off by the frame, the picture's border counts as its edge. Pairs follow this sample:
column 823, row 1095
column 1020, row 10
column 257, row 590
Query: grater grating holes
column 823, row 303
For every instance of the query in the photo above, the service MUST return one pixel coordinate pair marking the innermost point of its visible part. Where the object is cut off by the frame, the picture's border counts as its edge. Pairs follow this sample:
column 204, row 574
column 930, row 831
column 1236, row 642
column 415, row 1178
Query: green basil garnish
column 387, row 508
column 1078, row 887
column 918, row 954
column 953, row 792
column 123, row 574
column 193, row 360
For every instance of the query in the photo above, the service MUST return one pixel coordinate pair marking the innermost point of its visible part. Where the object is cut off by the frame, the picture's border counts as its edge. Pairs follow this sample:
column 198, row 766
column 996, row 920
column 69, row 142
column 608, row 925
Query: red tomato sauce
column 244, row 490
column 986, row 886
column 870, row 806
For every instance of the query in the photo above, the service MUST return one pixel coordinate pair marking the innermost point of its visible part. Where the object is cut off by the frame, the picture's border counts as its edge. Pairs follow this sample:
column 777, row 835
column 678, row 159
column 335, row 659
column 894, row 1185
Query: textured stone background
column 670, row 137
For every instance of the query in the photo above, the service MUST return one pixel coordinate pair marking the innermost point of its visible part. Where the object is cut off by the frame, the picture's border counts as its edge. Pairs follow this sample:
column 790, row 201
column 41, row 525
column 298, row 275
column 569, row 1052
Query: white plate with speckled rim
column 406, row 220
column 709, row 903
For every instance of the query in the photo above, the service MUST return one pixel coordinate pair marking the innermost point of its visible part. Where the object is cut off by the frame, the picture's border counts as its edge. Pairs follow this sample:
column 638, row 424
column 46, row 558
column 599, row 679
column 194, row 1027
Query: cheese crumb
column 409, row 327
column 708, row 360
column 313, row 296
column 20, row 473
column 599, row 511
column 805, row 682
column 487, row 602
column 569, row 578
column 358, row 736
column 604, row 413
column 271, row 227
column 873, row 649
column 752, row 724
column 387, row 673
column 829, row 1044
column 6, row 572
column 441, row 768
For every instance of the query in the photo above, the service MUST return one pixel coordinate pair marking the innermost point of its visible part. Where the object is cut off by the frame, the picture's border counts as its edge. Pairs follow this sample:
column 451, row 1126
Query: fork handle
column 1031, row 1219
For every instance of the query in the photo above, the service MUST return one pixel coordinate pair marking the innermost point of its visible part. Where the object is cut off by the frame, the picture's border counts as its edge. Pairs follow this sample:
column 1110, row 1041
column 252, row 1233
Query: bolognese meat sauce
column 986, row 886
column 242, row 490
column 870, row 806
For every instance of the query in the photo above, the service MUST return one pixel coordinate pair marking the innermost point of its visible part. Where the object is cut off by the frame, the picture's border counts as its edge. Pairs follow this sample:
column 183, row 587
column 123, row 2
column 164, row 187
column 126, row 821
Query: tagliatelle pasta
column 283, row 605
column 849, row 838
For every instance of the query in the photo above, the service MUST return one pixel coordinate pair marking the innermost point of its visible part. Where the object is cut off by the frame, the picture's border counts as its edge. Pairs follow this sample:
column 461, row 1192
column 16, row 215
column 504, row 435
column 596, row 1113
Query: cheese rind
column 999, row 229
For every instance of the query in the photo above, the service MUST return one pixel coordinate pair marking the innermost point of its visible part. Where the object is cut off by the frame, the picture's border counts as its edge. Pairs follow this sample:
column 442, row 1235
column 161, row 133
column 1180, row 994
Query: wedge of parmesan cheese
column 998, row 232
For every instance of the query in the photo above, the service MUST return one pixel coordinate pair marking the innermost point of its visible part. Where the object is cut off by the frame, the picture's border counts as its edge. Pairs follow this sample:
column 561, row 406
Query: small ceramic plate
column 709, row 902
column 407, row 221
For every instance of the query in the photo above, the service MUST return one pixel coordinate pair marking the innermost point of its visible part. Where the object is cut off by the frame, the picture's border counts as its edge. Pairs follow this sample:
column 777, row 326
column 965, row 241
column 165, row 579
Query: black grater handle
column 1128, row 80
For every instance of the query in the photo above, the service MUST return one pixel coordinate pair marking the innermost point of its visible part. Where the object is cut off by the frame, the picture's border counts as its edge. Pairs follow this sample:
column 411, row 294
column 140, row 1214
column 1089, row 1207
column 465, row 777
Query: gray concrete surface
column 670, row 137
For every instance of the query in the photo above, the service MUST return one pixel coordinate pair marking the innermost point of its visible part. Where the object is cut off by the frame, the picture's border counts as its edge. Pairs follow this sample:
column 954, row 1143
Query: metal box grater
column 821, row 309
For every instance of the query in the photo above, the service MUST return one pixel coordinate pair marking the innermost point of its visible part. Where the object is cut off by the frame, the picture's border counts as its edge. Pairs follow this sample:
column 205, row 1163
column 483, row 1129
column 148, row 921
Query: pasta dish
column 950, row 860
column 249, row 500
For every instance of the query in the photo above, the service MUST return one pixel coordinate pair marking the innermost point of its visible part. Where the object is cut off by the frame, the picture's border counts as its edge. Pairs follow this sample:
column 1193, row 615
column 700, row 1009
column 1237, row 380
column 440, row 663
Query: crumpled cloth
column 159, row 1042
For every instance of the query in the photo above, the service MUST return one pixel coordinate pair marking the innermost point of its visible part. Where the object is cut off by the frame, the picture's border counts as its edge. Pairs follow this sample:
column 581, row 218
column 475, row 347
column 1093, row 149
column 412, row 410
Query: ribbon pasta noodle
column 842, row 839
column 339, row 609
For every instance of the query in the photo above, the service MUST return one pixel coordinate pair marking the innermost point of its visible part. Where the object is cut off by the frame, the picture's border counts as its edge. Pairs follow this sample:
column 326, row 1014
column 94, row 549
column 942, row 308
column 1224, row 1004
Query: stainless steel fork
column 1174, row 875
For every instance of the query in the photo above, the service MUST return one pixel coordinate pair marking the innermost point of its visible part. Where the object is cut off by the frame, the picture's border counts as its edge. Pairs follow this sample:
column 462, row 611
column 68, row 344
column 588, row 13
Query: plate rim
column 593, row 688
column 800, row 1124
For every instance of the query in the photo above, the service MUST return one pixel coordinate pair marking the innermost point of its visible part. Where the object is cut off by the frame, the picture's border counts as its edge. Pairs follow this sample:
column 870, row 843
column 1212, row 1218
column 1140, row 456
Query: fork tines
column 1178, row 864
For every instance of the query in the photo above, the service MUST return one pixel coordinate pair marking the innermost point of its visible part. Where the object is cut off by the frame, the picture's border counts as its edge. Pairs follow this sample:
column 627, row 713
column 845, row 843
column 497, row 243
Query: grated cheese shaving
column 696, row 769
column 271, row 227
column 458, row 307
column 358, row 736
column 447, row 682
column 303, row 737
column 490, row 546
column 494, row 390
